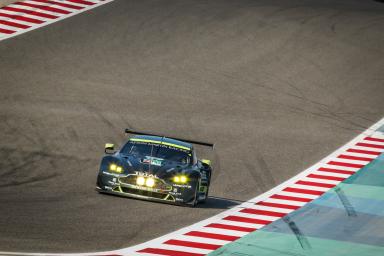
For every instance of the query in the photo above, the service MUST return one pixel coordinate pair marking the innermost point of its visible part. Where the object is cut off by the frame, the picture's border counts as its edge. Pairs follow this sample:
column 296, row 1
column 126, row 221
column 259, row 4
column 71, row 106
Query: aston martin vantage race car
column 156, row 168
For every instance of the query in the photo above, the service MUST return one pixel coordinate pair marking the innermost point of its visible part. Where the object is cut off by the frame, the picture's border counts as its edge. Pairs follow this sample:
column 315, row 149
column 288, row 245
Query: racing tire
column 195, row 200
column 206, row 196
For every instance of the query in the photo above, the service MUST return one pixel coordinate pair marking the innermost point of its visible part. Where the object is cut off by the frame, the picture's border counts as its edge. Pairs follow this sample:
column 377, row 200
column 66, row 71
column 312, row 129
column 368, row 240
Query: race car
column 156, row 168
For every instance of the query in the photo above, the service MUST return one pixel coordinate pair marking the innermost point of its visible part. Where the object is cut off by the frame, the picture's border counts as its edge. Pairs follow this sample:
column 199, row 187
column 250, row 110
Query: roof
column 163, row 140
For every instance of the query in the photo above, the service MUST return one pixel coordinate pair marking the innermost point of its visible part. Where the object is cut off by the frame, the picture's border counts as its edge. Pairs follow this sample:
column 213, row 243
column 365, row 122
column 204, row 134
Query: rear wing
column 202, row 143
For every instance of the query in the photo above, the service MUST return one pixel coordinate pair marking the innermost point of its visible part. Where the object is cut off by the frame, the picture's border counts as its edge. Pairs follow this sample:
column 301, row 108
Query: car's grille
column 144, row 193
column 130, row 180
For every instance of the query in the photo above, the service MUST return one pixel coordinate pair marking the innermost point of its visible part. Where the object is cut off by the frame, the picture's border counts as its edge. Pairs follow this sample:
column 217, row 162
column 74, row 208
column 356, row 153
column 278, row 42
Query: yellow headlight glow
column 180, row 179
column 140, row 181
column 150, row 182
column 116, row 168
column 183, row 179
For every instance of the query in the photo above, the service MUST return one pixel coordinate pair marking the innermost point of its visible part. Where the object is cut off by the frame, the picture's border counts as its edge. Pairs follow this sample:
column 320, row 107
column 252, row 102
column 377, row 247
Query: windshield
column 155, row 153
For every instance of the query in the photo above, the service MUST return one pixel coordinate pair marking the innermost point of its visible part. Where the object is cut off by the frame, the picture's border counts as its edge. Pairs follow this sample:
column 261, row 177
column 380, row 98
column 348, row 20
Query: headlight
column 140, row 181
column 180, row 179
column 115, row 168
column 183, row 179
column 150, row 182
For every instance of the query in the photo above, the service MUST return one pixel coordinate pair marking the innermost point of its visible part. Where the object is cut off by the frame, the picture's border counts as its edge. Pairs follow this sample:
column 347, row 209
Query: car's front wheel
column 195, row 200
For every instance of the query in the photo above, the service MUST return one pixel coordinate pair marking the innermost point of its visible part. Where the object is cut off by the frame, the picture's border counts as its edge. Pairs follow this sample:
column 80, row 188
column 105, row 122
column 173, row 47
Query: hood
column 161, row 168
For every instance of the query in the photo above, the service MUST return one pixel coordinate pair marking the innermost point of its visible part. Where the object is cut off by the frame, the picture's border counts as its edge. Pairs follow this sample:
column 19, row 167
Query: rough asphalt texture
column 276, row 84
column 6, row 2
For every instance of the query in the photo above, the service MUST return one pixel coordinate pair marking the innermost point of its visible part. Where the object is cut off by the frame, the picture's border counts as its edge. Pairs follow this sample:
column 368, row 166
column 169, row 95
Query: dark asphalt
column 276, row 84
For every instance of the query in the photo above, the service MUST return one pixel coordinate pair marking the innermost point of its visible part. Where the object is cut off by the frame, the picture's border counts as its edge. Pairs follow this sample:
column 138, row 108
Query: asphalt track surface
column 276, row 84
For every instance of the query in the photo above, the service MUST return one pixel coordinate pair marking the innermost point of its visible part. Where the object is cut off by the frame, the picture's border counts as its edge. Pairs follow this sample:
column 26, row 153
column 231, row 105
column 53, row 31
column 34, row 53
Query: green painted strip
column 372, row 174
column 381, row 129
column 361, row 191
column 277, row 244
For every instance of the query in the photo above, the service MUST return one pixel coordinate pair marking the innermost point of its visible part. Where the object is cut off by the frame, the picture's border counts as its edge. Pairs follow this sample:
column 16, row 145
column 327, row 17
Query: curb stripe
column 220, row 231
column 286, row 206
column 70, row 6
column 169, row 252
column 303, row 191
column 13, row 24
column 18, row 17
column 230, row 227
column 280, row 201
column 38, row 14
column 240, row 224
column 291, row 198
column 374, row 139
column 212, row 235
column 363, row 151
column 81, row 2
column 333, row 174
column 247, row 220
column 359, row 166
column 193, row 244
column 325, row 177
column 368, row 159
column 316, row 184
column 323, row 169
column 321, row 181
column 262, row 212
column 6, row 31
column 43, row 7
column 369, row 145
column 27, row 15
column 267, row 208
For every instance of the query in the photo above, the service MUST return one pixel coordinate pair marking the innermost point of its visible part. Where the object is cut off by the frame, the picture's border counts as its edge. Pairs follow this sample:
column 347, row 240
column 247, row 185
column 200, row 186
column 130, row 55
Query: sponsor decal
column 153, row 160
column 143, row 188
column 182, row 185
column 146, row 174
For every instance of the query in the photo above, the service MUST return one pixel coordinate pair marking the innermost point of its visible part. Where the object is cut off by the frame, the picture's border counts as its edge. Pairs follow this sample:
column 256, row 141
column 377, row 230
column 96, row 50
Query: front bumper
column 167, row 193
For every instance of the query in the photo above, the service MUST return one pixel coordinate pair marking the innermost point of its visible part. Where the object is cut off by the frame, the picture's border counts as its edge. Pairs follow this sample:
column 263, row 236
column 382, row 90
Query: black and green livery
column 156, row 168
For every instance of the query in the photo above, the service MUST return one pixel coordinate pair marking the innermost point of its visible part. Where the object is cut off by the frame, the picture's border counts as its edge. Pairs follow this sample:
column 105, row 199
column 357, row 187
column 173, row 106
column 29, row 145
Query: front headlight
column 115, row 168
column 140, row 181
column 180, row 179
column 147, row 181
column 150, row 182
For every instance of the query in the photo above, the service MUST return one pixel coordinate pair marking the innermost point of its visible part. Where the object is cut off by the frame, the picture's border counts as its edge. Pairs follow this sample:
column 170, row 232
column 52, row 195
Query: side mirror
column 109, row 148
column 206, row 161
